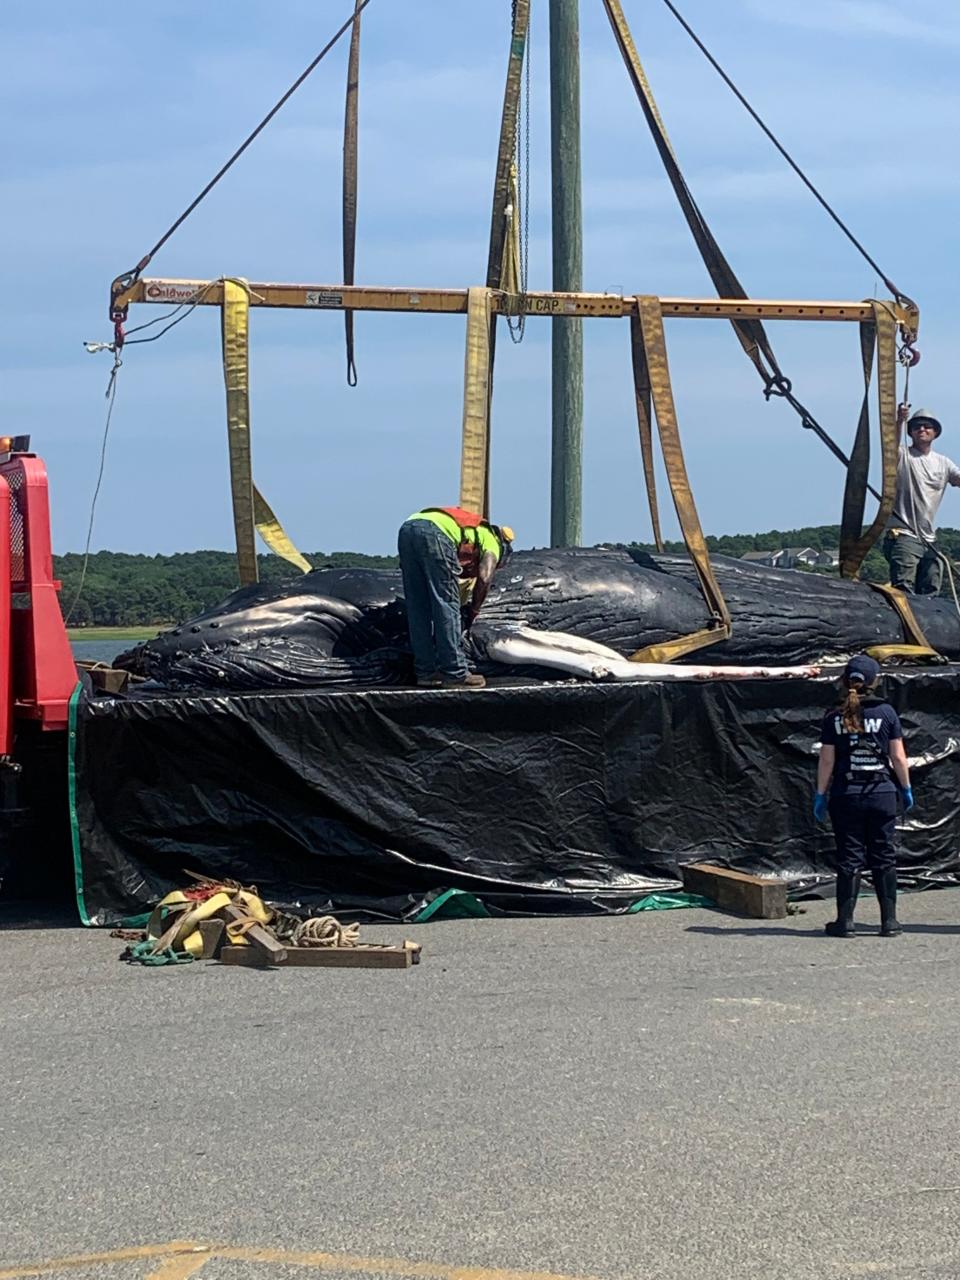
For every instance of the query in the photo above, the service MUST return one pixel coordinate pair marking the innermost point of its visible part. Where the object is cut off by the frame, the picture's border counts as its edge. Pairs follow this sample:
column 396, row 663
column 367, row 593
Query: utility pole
column 566, row 480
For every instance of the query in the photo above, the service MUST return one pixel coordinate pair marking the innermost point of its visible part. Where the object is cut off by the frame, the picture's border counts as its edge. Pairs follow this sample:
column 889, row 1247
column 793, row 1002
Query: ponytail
column 852, row 709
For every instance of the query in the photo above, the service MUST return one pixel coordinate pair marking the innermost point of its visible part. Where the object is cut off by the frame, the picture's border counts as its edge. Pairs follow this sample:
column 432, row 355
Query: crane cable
column 897, row 293
column 350, row 138
column 129, row 278
column 750, row 332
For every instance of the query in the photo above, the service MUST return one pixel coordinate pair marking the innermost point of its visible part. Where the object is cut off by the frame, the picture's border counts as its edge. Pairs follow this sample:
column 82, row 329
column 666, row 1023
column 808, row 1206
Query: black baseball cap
column 862, row 667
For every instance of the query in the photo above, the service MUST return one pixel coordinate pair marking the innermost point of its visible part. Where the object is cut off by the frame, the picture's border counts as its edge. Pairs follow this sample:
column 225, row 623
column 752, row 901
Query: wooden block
column 108, row 679
column 211, row 931
column 260, row 938
column 737, row 892
column 320, row 957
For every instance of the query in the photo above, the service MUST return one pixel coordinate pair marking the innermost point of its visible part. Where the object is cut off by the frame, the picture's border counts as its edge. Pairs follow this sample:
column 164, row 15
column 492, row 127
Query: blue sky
column 117, row 117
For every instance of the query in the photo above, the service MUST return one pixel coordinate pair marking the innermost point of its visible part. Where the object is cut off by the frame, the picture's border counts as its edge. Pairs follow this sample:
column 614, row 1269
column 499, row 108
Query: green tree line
column 123, row 590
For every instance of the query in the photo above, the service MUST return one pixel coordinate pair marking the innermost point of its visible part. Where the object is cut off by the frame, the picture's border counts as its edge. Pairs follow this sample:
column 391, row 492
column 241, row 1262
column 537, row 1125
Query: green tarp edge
column 72, row 794
column 458, row 904
column 669, row 902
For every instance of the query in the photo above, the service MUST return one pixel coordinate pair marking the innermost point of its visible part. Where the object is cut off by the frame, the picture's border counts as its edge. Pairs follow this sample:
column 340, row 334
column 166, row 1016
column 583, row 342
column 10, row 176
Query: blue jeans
column 431, row 571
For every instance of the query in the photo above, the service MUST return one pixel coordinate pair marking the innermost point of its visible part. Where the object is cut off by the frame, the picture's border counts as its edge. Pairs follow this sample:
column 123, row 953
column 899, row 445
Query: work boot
column 469, row 681
column 885, row 883
column 433, row 681
column 848, row 886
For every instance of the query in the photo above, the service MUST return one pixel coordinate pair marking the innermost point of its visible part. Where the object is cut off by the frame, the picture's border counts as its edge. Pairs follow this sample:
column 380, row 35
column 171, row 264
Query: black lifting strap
column 751, row 333
column 350, row 181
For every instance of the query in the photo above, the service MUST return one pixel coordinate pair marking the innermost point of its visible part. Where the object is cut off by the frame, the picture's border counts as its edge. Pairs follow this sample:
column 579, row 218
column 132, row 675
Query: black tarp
column 565, row 797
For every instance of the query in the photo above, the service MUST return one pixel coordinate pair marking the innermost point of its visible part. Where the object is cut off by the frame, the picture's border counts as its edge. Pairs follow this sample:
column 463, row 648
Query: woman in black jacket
column 862, row 762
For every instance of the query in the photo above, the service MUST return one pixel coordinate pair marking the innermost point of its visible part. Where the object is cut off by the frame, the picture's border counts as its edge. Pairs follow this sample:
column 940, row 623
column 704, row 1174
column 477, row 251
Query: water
column 99, row 650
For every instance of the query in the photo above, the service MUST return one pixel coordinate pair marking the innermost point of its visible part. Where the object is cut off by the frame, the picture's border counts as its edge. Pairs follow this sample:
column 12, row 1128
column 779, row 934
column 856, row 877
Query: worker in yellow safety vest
column 448, row 557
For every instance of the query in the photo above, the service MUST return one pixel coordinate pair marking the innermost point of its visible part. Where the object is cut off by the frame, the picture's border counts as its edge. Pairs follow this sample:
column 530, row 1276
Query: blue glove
column 908, row 801
column 820, row 806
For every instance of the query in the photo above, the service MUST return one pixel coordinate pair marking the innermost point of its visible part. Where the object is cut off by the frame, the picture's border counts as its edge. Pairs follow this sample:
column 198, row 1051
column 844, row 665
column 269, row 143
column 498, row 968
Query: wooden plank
column 261, row 939
column 326, row 957
column 737, row 892
column 342, row 297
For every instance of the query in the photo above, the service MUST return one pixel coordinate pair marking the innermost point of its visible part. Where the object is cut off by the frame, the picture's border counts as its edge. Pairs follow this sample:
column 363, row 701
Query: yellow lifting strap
column 641, row 388
column 507, row 144
column 655, row 349
column 475, row 448
column 175, row 921
column 917, row 645
column 879, row 333
column 510, row 273
column 251, row 512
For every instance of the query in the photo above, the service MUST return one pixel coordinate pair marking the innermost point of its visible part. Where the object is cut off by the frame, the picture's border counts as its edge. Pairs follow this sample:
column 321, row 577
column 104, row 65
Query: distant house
column 769, row 559
column 793, row 558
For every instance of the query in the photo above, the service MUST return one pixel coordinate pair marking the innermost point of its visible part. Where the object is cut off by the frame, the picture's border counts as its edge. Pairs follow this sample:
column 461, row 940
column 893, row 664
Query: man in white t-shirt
column 922, row 479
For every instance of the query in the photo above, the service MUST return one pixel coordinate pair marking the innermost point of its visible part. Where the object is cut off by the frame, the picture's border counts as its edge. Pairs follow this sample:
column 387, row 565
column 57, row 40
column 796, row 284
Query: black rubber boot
column 885, row 883
column 848, row 887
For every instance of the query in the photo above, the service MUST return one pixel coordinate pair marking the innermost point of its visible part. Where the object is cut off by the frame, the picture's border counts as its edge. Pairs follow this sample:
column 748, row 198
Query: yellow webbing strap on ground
column 641, row 387
column 879, row 333
column 917, row 646
column 655, row 348
column 476, row 403
column 251, row 512
column 175, row 919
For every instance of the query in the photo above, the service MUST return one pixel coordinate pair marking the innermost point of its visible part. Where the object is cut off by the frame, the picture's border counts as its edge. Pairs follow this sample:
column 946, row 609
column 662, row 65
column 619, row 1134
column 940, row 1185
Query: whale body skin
column 348, row 626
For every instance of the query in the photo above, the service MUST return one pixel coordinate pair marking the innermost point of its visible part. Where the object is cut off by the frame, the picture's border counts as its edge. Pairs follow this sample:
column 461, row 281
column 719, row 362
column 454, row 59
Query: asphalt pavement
column 671, row 1095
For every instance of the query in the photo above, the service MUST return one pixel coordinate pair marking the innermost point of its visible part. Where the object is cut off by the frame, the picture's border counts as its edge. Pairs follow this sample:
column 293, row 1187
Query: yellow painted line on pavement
column 146, row 1251
column 182, row 1258
column 384, row 1266
column 180, row 1266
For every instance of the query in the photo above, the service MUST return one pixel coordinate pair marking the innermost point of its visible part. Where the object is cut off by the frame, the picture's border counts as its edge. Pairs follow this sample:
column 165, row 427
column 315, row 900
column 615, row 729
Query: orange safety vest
column 468, row 553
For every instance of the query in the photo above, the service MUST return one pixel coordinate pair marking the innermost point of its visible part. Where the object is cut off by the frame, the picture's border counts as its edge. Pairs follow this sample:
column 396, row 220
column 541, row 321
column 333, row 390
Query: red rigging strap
column 123, row 282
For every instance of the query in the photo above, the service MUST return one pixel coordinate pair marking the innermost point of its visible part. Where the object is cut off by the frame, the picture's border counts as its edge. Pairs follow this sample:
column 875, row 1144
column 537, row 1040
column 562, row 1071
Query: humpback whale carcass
column 576, row 611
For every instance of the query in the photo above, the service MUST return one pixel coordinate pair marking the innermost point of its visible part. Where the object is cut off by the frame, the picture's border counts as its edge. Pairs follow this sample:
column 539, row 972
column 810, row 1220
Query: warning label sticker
column 324, row 298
